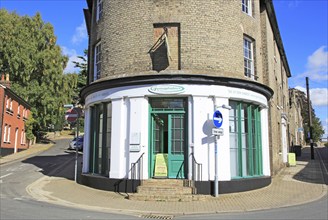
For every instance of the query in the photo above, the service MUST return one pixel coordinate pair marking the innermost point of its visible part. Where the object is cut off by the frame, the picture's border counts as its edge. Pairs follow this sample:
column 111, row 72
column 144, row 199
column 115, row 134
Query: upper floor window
column 249, row 58
column 246, row 6
column 7, row 103
column 97, row 62
column 99, row 9
column 18, row 111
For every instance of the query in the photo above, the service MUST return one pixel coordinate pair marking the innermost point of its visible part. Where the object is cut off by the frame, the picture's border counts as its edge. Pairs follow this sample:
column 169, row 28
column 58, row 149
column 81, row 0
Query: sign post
column 72, row 115
column 217, row 132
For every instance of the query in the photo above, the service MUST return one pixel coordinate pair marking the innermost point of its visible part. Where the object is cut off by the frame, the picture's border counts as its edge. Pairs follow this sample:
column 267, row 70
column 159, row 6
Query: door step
column 166, row 190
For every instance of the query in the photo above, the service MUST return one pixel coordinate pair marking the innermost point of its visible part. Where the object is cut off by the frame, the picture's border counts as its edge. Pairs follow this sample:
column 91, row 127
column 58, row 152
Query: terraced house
column 158, row 70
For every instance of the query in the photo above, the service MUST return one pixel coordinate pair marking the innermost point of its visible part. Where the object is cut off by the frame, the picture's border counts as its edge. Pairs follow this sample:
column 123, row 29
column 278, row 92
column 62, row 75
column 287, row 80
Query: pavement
column 294, row 185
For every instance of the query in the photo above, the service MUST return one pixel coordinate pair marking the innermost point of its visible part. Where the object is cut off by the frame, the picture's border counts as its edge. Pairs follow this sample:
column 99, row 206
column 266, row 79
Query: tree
column 82, row 77
column 317, row 129
column 29, row 53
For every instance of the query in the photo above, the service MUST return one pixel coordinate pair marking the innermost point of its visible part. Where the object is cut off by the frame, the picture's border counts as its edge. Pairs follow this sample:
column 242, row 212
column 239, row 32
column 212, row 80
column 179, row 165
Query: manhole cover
column 154, row 216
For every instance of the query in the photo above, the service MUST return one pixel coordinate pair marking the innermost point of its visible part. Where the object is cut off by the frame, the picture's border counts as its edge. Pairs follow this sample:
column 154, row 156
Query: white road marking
column 8, row 174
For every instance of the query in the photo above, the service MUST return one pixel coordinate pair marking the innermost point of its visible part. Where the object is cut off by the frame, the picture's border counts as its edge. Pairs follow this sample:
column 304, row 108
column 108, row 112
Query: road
column 16, row 203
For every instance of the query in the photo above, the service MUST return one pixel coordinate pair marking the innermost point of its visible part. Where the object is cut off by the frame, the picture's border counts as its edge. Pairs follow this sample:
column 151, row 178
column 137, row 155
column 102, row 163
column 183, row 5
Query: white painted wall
column 284, row 144
column 203, row 139
column 138, row 121
column 130, row 116
column 86, row 140
column 224, row 142
column 265, row 142
column 119, row 157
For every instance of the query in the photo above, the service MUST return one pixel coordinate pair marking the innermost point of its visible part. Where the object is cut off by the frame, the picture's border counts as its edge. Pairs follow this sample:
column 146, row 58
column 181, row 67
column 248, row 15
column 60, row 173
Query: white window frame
column 99, row 8
column 18, row 111
column 11, row 104
column 8, row 137
column 23, row 137
column 5, row 134
column 97, row 61
column 246, row 6
column 248, row 49
column 7, row 103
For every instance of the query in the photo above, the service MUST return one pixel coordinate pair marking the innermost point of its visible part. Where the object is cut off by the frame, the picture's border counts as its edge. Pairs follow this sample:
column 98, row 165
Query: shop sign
column 166, row 89
column 217, row 131
column 161, row 165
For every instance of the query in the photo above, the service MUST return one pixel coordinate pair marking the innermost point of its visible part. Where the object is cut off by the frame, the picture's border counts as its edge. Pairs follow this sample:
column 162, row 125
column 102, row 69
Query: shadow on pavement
column 58, row 165
column 313, row 171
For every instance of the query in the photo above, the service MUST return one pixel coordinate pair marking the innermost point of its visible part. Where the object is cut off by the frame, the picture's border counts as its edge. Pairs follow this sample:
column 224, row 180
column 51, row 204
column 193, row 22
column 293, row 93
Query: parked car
column 79, row 143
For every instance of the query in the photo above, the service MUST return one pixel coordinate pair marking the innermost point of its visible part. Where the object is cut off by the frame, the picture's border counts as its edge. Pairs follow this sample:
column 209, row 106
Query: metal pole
column 216, row 180
column 310, row 117
column 76, row 145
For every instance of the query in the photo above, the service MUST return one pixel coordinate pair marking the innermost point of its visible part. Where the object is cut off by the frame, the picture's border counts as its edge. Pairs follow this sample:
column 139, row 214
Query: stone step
column 164, row 190
column 174, row 190
column 167, row 198
column 163, row 182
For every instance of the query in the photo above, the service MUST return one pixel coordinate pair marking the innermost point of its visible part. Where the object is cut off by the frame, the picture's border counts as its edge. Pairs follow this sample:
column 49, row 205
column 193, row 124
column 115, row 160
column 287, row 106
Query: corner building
column 157, row 72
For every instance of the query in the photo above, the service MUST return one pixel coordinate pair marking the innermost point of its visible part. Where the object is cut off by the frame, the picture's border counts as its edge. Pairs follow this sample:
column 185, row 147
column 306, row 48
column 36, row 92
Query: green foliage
column 82, row 77
column 29, row 127
column 29, row 53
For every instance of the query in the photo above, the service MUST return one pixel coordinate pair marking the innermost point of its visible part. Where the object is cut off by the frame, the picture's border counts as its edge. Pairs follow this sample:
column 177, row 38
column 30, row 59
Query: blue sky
column 302, row 23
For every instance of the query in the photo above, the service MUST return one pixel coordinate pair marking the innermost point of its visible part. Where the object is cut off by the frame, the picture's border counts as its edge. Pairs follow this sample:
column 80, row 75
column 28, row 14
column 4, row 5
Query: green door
column 168, row 136
column 176, row 146
column 157, row 142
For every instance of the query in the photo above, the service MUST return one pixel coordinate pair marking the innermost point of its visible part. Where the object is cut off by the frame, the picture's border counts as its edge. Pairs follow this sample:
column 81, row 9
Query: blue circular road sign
column 217, row 119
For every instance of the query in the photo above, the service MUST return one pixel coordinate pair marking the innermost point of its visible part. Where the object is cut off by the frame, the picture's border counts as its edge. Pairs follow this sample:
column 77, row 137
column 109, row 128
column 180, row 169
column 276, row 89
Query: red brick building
column 14, row 112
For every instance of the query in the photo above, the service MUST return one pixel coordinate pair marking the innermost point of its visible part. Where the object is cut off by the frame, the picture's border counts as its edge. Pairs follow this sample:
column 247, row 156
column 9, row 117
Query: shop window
column 100, row 138
column 165, row 53
column 245, row 140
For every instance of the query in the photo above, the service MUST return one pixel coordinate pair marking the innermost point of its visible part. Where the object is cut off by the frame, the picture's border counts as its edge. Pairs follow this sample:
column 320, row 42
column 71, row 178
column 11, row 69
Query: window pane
column 245, row 144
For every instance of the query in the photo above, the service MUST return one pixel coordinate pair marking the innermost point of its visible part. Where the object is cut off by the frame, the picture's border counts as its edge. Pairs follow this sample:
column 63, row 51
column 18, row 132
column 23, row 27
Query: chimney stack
column 5, row 80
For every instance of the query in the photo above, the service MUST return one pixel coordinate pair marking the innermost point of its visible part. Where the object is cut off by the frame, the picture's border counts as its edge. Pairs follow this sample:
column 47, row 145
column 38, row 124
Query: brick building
column 14, row 112
column 159, row 69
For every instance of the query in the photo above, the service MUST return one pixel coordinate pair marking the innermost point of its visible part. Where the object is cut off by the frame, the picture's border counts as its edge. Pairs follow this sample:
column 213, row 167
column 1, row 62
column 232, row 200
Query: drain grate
column 154, row 216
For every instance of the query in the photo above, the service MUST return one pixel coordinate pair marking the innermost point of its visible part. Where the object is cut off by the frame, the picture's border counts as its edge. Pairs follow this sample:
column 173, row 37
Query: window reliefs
column 97, row 61
column 165, row 53
column 248, row 48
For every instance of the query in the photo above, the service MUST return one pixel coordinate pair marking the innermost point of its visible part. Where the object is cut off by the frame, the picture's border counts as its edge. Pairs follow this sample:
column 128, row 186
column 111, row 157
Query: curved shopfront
column 140, row 121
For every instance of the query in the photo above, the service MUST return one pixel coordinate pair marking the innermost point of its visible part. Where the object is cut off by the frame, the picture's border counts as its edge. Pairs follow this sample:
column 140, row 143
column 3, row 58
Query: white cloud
column 317, row 65
column 318, row 96
column 80, row 34
column 301, row 89
column 72, row 56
